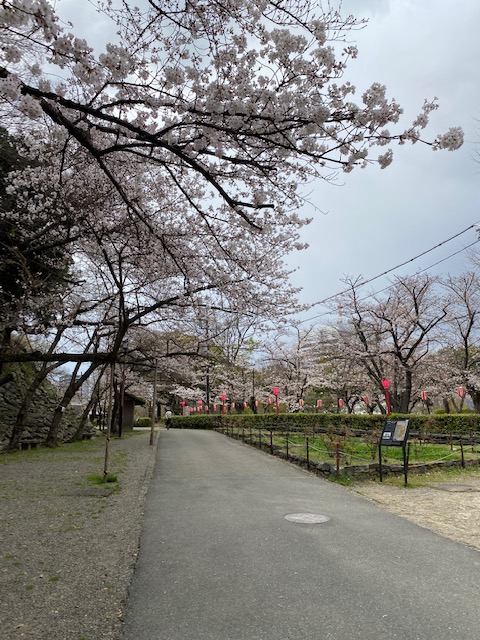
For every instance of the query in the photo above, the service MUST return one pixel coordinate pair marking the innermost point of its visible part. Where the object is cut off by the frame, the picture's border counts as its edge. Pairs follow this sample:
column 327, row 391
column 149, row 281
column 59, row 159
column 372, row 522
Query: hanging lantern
column 300, row 402
column 319, row 404
column 341, row 402
column 461, row 392
column 366, row 400
column 424, row 396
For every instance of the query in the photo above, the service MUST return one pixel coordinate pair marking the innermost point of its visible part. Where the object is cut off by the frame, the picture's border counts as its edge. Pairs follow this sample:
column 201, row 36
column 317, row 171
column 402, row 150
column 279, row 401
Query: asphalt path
column 219, row 561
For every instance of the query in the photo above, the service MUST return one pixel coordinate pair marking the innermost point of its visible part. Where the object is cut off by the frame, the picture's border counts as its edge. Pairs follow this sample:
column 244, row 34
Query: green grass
column 79, row 448
column 354, row 451
column 99, row 479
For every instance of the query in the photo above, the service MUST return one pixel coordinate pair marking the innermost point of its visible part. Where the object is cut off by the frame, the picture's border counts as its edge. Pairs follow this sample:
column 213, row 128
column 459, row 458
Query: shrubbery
column 143, row 422
column 444, row 424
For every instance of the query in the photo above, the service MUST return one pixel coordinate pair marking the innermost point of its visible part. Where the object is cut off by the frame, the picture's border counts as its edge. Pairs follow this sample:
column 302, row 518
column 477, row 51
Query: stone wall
column 45, row 401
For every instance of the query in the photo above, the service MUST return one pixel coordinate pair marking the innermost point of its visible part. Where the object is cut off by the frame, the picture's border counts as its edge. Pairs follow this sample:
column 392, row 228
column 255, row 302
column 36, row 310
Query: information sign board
column 395, row 433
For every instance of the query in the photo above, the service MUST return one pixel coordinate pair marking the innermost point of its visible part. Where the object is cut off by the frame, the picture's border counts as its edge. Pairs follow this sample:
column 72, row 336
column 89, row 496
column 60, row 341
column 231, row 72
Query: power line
column 364, row 282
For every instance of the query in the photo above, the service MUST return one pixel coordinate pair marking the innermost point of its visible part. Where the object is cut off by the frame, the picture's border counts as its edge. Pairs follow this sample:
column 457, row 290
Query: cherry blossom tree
column 205, row 117
column 343, row 375
column 34, row 264
column 462, row 352
column 175, row 163
column 391, row 335
column 293, row 363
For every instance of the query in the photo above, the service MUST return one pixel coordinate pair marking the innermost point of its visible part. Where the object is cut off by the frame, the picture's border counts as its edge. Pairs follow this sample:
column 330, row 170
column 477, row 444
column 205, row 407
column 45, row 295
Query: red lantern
column 233, row 405
column 319, row 404
column 366, row 400
column 461, row 392
column 341, row 402
column 386, row 387
column 424, row 396
column 300, row 402
column 214, row 406
column 275, row 393
column 270, row 401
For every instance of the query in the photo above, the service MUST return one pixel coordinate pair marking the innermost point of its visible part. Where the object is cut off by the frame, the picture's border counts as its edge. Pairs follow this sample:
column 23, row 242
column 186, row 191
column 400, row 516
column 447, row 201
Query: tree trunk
column 73, row 387
column 83, row 420
column 475, row 396
column 91, row 404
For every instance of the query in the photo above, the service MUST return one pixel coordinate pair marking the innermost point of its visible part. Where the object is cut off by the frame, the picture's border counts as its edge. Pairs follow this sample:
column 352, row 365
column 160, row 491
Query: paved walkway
column 219, row 561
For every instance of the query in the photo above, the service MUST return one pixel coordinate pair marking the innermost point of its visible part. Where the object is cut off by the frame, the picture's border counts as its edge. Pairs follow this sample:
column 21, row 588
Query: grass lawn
column 358, row 451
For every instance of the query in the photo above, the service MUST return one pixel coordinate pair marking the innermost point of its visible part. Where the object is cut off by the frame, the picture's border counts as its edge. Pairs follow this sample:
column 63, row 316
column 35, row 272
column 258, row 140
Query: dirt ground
column 448, row 505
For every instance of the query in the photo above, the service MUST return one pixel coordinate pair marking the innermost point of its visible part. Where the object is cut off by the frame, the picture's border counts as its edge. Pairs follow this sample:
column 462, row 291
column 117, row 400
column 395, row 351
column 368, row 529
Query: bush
column 444, row 424
column 143, row 422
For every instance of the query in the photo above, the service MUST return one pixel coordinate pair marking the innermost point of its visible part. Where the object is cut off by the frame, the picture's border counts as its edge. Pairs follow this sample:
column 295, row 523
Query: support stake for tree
column 154, row 403
column 109, row 420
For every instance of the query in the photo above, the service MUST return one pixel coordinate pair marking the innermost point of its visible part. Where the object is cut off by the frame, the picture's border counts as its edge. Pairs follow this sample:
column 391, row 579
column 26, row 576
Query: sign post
column 395, row 434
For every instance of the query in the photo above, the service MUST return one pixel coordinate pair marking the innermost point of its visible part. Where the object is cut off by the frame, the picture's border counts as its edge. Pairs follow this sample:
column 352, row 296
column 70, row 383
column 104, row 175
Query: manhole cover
column 307, row 518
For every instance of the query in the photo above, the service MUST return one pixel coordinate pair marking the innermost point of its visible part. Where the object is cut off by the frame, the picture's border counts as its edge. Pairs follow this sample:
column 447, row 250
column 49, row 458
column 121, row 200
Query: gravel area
column 449, row 506
column 67, row 557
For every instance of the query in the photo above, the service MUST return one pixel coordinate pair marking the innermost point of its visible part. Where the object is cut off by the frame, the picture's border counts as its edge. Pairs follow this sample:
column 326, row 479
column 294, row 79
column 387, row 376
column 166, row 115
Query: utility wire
column 364, row 282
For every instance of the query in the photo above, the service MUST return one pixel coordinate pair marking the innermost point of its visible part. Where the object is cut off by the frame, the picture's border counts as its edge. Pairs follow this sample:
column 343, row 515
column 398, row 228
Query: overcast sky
column 381, row 218
column 376, row 219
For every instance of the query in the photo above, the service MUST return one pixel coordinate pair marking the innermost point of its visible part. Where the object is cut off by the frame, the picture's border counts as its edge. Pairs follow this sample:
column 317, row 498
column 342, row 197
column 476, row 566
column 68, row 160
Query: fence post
column 271, row 441
column 337, row 456
column 461, row 451
column 308, row 452
column 259, row 437
column 287, row 445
